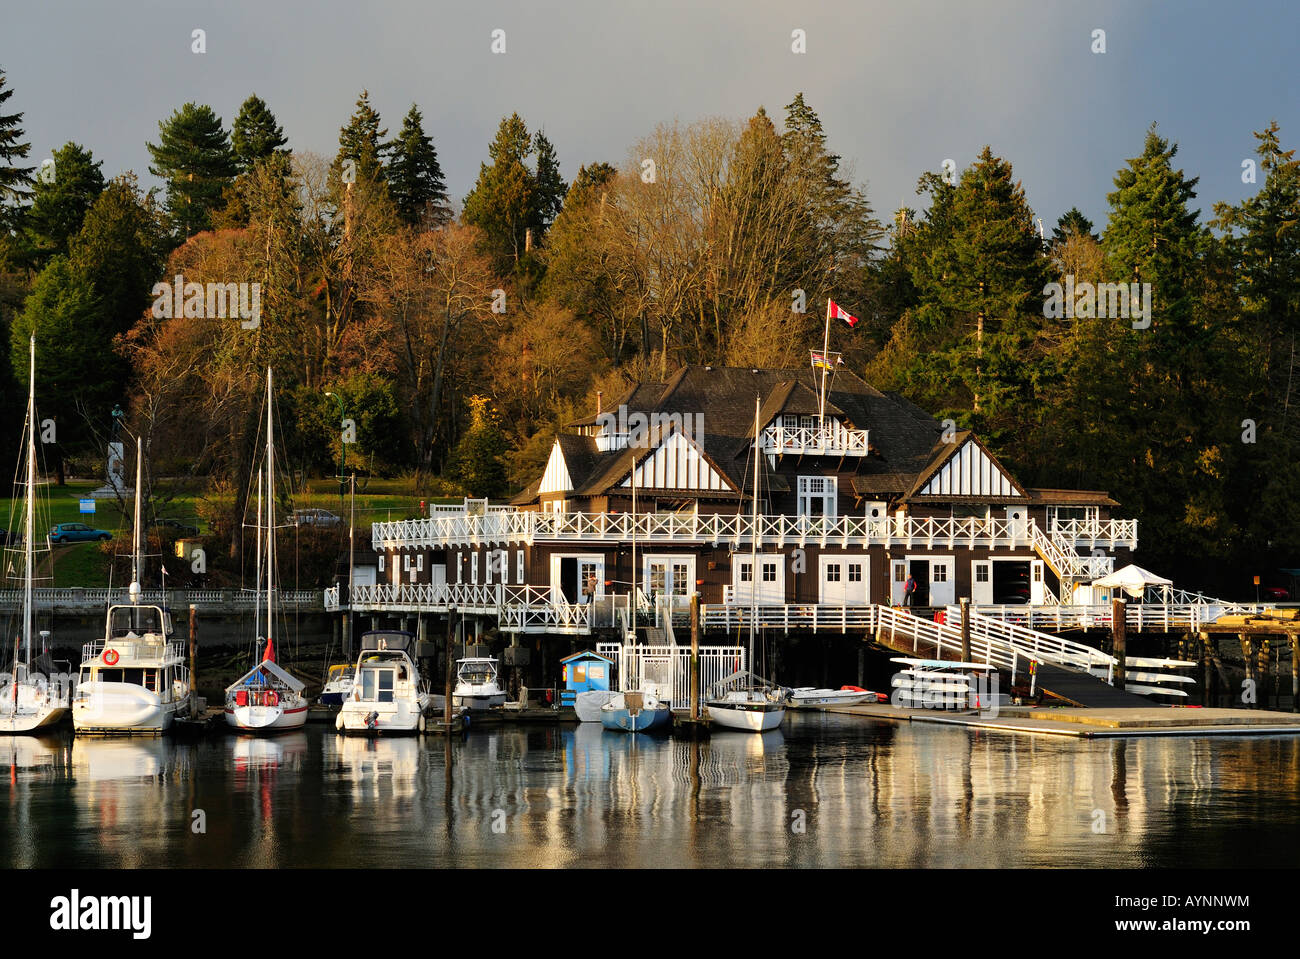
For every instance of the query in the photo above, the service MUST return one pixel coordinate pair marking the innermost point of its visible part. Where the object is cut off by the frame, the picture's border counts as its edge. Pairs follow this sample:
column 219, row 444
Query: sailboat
column 135, row 679
column 29, row 701
column 754, row 708
column 266, row 698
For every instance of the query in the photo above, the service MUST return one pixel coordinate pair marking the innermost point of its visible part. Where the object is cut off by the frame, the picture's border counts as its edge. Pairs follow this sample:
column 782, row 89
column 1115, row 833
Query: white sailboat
column 135, row 679
column 29, row 700
column 266, row 698
column 754, row 708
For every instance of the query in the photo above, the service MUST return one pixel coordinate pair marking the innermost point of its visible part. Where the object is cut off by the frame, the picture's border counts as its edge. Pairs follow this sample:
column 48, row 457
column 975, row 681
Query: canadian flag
column 834, row 312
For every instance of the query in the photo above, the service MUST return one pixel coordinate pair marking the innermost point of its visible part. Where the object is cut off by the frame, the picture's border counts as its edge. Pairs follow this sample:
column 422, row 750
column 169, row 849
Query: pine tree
column 503, row 201
column 193, row 157
column 14, row 180
column 415, row 179
column 551, row 188
column 1072, row 223
column 361, row 145
column 255, row 134
column 60, row 205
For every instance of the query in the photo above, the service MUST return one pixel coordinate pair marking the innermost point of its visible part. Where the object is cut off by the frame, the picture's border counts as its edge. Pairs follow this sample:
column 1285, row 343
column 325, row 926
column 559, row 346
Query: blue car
column 77, row 533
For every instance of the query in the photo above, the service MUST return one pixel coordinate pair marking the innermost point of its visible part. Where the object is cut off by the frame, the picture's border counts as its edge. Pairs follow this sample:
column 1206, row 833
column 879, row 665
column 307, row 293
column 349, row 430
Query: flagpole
column 826, row 347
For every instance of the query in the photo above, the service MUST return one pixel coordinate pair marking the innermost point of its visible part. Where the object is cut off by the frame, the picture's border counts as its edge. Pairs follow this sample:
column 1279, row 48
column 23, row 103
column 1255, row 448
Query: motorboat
column 477, row 686
column 387, row 693
column 338, row 683
column 808, row 697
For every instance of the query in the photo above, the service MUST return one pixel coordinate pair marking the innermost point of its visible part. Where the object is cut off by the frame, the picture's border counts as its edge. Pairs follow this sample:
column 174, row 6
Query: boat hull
column 750, row 717
column 30, row 721
column 478, row 701
column 636, row 720
column 103, row 707
column 266, row 719
column 821, row 698
column 403, row 716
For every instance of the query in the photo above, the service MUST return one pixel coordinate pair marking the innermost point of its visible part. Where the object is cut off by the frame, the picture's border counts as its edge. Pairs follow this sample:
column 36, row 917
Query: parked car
column 316, row 517
column 77, row 533
column 1276, row 593
column 176, row 526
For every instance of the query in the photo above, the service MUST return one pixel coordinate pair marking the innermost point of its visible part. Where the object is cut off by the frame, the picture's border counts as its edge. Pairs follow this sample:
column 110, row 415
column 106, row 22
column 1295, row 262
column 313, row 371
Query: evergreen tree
column 503, row 201
column 415, row 179
column 361, row 141
column 193, row 156
column 14, row 180
column 587, row 184
column 59, row 206
column 255, row 134
column 551, row 188
column 1072, row 223
column 478, row 460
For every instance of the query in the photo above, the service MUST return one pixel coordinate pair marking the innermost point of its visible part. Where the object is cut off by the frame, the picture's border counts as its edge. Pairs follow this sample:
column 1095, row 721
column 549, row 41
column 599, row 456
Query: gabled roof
column 962, row 470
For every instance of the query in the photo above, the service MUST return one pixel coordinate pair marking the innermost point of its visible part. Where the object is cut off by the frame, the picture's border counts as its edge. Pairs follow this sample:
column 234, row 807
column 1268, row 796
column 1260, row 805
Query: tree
column 14, row 180
column 193, row 156
column 1073, row 223
column 414, row 175
column 255, row 134
column 551, row 188
column 59, row 206
column 503, row 202
column 361, row 146
column 478, row 461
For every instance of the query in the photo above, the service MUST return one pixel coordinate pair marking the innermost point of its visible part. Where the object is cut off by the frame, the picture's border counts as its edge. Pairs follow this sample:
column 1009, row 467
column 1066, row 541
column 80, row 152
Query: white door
column 943, row 590
column 897, row 580
column 771, row 580
column 1037, row 590
column 844, row 579
column 981, row 582
column 671, row 576
column 1017, row 520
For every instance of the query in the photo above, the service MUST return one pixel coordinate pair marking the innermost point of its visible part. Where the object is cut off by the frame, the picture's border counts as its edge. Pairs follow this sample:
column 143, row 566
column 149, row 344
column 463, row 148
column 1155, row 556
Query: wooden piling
column 965, row 630
column 1206, row 672
column 194, row 642
column 1119, row 637
column 1295, row 672
column 695, row 656
column 1248, row 656
column 451, row 639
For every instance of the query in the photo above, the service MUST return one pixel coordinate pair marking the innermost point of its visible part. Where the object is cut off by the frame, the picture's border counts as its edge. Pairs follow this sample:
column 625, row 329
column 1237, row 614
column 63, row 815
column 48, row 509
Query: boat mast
column 257, row 583
column 29, row 552
column 138, row 550
column 270, row 507
column 753, row 562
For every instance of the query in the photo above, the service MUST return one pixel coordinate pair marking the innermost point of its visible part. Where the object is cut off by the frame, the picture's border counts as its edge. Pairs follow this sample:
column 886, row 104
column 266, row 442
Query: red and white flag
column 834, row 312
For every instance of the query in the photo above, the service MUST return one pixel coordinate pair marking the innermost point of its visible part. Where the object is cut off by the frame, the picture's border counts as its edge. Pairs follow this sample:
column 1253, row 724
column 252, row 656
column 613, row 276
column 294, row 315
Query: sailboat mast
column 270, row 506
column 257, row 582
column 138, row 548
column 826, row 355
column 29, row 531
column 753, row 539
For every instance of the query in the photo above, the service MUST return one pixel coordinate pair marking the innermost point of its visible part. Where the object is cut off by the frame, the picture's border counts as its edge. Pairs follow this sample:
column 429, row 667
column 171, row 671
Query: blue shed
column 584, row 671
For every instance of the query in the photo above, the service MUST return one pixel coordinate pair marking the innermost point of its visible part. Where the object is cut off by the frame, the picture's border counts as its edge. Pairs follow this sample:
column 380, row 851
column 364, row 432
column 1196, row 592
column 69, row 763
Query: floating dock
column 1089, row 723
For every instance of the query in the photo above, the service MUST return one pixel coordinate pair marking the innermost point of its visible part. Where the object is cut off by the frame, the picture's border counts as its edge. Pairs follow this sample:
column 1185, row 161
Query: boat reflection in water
column 379, row 768
column 254, row 753
column 36, row 758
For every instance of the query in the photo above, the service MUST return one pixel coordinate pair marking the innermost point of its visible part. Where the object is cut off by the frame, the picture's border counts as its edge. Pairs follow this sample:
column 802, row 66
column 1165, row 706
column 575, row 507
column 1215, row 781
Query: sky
column 899, row 87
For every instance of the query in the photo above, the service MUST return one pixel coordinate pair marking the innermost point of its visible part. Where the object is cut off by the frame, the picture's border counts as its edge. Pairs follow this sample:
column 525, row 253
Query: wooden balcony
column 833, row 439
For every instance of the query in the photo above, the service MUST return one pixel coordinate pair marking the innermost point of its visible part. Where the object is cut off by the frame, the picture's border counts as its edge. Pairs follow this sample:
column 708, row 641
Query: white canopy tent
column 1134, row 580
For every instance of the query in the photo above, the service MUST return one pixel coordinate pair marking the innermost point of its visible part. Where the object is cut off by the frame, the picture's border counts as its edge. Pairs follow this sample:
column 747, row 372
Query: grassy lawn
column 85, row 564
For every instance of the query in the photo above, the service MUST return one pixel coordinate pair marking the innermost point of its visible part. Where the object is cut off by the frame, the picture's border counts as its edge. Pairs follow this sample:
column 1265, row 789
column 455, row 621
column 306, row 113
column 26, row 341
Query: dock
column 1095, row 723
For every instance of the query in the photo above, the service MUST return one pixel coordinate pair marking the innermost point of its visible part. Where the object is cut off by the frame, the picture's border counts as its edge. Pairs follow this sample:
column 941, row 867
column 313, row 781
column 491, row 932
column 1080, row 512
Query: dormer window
column 817, row 496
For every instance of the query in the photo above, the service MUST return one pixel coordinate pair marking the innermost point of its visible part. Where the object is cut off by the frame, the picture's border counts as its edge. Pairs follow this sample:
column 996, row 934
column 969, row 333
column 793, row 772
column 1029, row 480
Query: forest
column 459, row 334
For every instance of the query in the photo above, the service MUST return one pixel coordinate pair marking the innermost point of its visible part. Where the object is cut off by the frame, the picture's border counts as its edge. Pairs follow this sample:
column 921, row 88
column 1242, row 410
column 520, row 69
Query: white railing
column 131, row 651
column 78, row 598
column 641, row 664
column 1095, row 532
column 933, row 639
column 518, row 608
column 501, row 527
column 787, row 616
column 1143, row 617
column 1032, row 643
column 830, row 440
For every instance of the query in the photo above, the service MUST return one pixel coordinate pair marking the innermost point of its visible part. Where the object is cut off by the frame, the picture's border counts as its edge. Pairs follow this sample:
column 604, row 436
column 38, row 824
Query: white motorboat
column 755, row 708
column 266, row 698
column 135, row 679
column 387, row 693
column 477, row 686
column 31, row 697
column 338, row 684
column 808, row 697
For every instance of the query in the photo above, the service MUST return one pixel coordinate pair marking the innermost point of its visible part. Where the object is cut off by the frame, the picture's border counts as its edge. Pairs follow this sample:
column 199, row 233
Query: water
column 823, row 791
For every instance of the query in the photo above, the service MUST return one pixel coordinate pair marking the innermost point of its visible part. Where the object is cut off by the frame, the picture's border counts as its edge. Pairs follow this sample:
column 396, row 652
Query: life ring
column 110, row 657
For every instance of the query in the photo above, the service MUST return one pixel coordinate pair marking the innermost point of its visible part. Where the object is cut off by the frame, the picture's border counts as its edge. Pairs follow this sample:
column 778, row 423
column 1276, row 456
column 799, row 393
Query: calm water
column 823, row 791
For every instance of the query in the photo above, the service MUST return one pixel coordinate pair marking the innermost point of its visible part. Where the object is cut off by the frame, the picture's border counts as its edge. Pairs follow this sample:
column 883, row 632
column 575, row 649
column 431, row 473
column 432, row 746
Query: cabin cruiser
column 135, row 679
column 387, row 693
column 338, row 684
column 477, row 687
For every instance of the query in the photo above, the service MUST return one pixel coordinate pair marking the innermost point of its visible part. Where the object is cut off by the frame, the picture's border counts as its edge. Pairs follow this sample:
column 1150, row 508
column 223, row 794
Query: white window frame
column 828, row 495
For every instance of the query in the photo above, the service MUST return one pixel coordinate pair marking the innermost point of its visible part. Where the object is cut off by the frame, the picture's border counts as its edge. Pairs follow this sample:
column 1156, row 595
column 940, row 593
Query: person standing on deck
column 591, row 587
column 909, row 590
